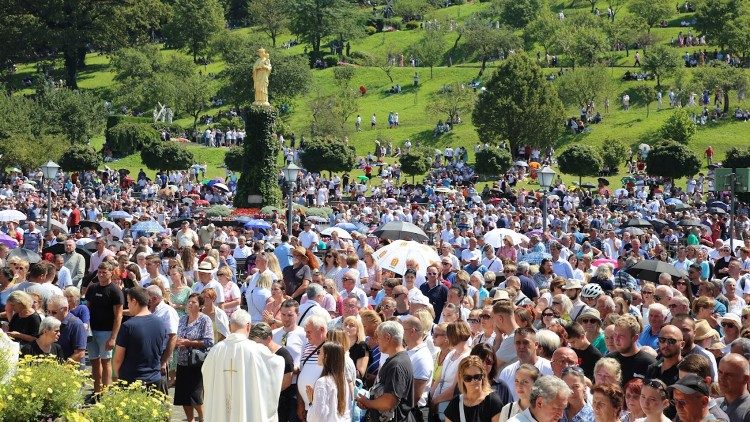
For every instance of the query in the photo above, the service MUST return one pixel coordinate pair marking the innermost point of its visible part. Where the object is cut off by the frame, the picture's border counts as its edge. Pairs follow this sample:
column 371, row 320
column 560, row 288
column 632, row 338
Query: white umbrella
column 14, row 170
column 393, row 257
column 11, row 215
column 173, row 188
column 343, row 234
column 119, row 214
column 56, row 224
column 113, row 228
column 221, row 186
column 444, row 190
column 521, row 163
column 495, row 237
column 27, row 186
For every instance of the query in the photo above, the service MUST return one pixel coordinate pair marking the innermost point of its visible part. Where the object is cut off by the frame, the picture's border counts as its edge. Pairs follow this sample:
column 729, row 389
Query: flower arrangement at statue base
column 126, row 402
column 42, row 389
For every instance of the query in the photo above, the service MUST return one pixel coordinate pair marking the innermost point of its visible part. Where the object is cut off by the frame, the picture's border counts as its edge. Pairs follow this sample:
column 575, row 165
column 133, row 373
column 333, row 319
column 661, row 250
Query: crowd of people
column 502, row 318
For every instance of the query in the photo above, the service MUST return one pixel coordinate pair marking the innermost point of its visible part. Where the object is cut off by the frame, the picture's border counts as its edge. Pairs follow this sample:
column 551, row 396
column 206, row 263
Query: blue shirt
column 648, row 339
column 562, row 268
column 72, row 335
column 144, row 339
column 586, row 414
column 283, row 253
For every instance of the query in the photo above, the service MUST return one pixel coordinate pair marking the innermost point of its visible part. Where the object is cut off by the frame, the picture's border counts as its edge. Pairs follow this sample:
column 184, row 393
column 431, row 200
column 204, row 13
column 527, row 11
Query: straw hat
column 704, row 331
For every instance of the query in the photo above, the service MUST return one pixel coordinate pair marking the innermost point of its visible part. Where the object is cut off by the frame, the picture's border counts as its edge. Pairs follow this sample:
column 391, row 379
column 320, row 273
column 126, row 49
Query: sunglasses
column 679, row 283
column 670, row 341
column 657, row 298
column 647, row 292
column 573, row 369
column 589, row 321
column 472, row 321
column 485, row 316
column 550, row 314
column 557, row 303
column 728, row 325
column 472, row 378
column 657, row 385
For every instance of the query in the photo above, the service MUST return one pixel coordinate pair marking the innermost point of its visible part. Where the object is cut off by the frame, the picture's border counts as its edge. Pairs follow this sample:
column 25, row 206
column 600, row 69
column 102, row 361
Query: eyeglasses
column 556, row 303
column 589, row 321
column 472, row 321
column 679, row 403
column 550, row 314
column 645, row 292
column 431, row 273
column 485, row 316
column 670, row 341
column 679, row 283
column 728, row 325
column 472, row 378
column 508, row 272
column 574, row 369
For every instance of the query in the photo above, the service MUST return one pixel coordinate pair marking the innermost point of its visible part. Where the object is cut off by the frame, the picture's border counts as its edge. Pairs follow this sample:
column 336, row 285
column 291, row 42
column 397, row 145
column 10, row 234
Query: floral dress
column 200, row 329
column 180, row 300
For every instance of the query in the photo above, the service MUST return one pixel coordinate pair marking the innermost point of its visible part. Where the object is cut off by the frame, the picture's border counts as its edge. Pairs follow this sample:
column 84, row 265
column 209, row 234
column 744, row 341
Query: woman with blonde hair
column 476, row 402
column 232, row 296
column 359, row 352
column 526, row 376
column 387, row 307
column 257, row 299
column 373, row 269
column 442, row 392
column 20, row 269
column 330, row 287
column 23, row 320
column 272, row 262
column 607, row 371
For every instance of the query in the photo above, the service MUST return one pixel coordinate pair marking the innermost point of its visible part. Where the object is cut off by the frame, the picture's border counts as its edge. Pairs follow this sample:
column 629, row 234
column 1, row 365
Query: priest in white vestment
column 241, row 378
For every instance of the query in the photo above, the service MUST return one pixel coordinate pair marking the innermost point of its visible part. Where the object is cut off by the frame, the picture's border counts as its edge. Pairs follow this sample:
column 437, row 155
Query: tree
column 577, row 87
column 194, row 23
column 386, row 62
column 313, row 20
column 542, row 31
column 736, row 34
column 429, row 50
column 662, row 61
column 343, row 76
column 76, row 115
column 737, row 158
column 330, row 112
column 679, row 127
column 721, row 75
column 126, row 138
column 416, row 161
column 673, row 160
column 716, row 19
column 580, row 160
column 412, row 9
column 332, row 155
column 80, row 157
column 259, row 182
column 643, row 94
column 452, row 102
column 270, row 16
column 613, row 154
column 195, row 96
column 234, row 157
column 615, row 6
column 26, row 138
column 53, row 29
column 624, row 32
column 584, row 45
column 489, row 43
column 651, row 11
column 518, row 13
column 519, row 105
column 493, row 161
column 166, row 155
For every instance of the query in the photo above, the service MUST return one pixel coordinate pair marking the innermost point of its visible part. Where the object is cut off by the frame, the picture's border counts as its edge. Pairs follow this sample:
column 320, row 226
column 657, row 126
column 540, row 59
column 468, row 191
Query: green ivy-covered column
column 258, row 185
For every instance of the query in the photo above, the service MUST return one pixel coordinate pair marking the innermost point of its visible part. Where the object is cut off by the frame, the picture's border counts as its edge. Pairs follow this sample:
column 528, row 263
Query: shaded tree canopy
column 673, row 160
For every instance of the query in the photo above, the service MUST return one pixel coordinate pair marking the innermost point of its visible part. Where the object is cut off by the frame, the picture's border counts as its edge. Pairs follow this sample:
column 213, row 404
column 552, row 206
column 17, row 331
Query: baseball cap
column 690, row 384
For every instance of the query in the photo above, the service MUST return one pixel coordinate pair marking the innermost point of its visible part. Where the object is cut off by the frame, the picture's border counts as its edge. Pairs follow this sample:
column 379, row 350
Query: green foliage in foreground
column 80, row 157
column 332, row 155
column 580, row 160
column 673, row 160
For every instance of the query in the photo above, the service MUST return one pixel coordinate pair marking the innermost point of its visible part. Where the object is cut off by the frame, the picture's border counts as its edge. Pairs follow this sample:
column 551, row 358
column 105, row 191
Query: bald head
column 737, row 363
column 562, row 358
column 734, row 374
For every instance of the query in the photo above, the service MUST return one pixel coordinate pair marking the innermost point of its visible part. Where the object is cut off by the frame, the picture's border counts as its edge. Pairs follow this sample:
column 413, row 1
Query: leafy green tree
column 662, row 61
column 673, row 160
column 126, row 138
column 24, row 126
column 542, row 31
column 76, row 115
column 493, row 161
column 679, row 127
column 613, row 154
column 651, row 11
column 80, row 157
column 343, row 76
column 415, row 162
column 55, row 29
column 643, row 94
column 412, row 9
column 452, row 102
column 519, row 105
column 616, row 6
column 585, row 45
column 270, row 16
column 737, row 158
column 518, row 13
column 580, row 160
column 330, row 113
column 234, row 158
column 194, row 23
column 488, row 42
column 716, row 19
column 195, row 95
column 721, row 75
column 313, row 20
column 331, row 155
column 736, row 33
column 578, row 86
column 624, row 32
column 165, row 155
column 430, row 48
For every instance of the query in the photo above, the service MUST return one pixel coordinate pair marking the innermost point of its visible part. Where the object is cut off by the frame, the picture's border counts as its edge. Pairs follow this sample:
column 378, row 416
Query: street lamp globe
column 49, row 169
column 546, row 175
column 291, row 171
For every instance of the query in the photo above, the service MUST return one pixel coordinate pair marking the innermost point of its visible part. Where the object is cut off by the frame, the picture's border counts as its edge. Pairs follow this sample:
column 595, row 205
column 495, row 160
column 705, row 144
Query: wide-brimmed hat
column 500, row 295
column 703, row 330
column 205, row 267
column 590, row 313
column 572, row 283
column 733, row 318
column 299, row 250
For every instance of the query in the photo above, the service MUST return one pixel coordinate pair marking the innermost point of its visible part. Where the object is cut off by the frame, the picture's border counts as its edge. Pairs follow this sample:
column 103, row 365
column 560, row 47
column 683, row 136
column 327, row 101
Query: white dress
column 324, row 405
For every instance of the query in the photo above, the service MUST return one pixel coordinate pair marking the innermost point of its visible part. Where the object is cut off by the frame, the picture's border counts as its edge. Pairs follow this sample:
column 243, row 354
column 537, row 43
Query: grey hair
column 393, row 329
column 316, row 321
column 314, row 290
column 58, row 300
column 49, row 324
column 548, row 387
column 609, row 303
column 522, row 266
column 154, row 291
column 548, row 340
column 743, row 343
column 240, row 318
column 73, row 291
column 260, row 331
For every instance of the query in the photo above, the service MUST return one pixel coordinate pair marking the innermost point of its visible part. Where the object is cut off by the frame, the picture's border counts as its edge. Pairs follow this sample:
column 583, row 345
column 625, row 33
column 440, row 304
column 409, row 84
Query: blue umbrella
column 349, row 227
column 535, row 257
column 718, row 204
column 256, row 224
column 150, row 226
column 673, row 201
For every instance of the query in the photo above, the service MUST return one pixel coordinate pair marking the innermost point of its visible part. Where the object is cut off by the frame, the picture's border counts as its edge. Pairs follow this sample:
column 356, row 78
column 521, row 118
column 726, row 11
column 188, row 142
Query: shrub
column 80, row 157
column 234, row 157
column 131, row 402
column 370, row 30
column 412, row 25
column 613, row 154
column 219, row 211
column 673, row 160
column 679, row 127
column 493, row 161
column 161, row 155
column 416, row 161
column 328, row 155
column 580, row 160
column 331, row 61
column 127, row 138
column 394, row 23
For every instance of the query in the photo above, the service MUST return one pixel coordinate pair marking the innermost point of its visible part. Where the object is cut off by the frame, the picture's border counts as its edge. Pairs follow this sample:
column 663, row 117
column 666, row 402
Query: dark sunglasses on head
column 670, row 341
column 574, row 369
column 472, row 378
column 658, row 385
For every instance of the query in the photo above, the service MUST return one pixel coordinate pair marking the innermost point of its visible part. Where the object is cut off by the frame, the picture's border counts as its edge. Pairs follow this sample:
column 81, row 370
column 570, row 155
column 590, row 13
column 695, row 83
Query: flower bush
column 41, row 388
column 219, row 211
column 127, row 402
column 249, row 212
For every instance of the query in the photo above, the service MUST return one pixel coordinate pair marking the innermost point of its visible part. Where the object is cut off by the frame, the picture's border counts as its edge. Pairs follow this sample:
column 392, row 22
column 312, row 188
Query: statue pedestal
column 258, row 185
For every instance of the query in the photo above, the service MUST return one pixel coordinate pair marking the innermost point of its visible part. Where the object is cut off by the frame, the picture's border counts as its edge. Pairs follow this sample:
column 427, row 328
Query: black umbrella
column 29, row 256
column 659, row 224
column 400, row 230
column 91, row 224
column 650, row 270
column 91, row 246
column 603, row 181
column 638, row 222
column 689, row 222
column 587, row 186
column 177, row 223
column 718, row 204
column 227, row 223
column 716, row 210
column 681, row 207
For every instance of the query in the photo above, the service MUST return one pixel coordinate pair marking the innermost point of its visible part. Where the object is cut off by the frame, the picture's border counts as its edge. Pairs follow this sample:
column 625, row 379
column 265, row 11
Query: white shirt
column 356, row 292
column 508, row 374
column 314, row 309
column 168, row 316
column 309, row 240
column 422, row 364
column 242, row 252
column 293, row 341
column 63, row 278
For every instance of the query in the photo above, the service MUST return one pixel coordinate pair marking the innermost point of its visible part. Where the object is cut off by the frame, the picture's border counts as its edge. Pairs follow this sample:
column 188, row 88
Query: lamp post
column 290, row 175
column 49, row 170
column 546, row 174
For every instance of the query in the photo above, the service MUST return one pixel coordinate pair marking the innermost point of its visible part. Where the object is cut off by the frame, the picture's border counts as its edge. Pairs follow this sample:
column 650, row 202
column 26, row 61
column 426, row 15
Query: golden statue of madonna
column 261, row 71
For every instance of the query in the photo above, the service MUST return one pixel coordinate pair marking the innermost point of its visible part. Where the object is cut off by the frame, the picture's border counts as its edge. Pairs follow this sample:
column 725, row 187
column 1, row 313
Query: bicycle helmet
column 592, row 290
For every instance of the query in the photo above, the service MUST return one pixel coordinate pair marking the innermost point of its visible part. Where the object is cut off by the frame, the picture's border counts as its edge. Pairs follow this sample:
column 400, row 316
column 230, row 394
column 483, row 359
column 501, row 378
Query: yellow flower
column 49, row 389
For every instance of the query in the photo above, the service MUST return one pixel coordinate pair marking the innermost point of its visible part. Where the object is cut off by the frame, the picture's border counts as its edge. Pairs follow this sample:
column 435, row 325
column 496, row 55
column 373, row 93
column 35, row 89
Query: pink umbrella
column 601, row 261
